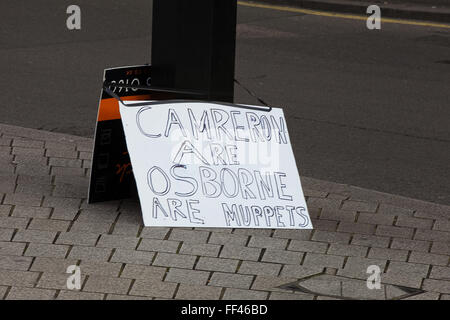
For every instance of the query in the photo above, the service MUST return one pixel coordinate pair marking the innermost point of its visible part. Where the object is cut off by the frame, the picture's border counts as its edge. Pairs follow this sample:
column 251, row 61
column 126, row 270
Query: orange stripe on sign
column 109, row 108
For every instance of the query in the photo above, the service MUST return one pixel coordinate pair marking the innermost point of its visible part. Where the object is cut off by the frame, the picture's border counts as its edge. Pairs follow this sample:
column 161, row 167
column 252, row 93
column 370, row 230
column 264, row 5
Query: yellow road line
column 341, row 15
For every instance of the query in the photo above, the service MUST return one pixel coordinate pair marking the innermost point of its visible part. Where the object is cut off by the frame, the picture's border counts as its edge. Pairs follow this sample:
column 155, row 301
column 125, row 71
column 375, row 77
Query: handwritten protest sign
column 199, row 164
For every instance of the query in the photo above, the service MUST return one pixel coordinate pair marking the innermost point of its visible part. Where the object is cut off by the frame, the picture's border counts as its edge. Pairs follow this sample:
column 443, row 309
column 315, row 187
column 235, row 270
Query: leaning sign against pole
column 195, row 162
column 200, row 164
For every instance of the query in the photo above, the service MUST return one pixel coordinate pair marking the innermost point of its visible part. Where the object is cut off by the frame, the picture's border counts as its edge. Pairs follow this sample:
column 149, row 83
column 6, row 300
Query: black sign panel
column 111, row 174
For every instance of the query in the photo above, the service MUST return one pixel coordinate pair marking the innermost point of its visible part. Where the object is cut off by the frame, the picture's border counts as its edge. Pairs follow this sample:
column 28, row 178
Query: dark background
column 367, row 108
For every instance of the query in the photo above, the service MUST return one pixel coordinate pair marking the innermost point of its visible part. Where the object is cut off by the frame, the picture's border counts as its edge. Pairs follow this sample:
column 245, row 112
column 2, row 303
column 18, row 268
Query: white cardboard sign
column 200, row 164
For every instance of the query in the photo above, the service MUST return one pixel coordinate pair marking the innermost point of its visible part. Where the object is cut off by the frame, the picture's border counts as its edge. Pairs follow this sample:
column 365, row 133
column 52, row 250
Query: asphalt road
column 367, row 108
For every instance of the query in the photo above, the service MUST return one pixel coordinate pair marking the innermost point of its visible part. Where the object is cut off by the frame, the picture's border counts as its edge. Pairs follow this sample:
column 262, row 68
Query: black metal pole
column 193, row 46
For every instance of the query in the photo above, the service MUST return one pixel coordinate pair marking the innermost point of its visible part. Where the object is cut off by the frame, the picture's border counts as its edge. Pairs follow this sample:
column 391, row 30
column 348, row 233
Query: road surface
column 369, row 108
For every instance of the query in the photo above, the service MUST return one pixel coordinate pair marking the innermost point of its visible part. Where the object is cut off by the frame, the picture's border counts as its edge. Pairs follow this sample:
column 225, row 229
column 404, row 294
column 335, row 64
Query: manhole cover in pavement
column 345, row 288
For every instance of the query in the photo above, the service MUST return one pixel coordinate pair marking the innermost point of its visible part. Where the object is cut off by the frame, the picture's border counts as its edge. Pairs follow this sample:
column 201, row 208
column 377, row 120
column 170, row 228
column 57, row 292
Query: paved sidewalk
column 46, row 225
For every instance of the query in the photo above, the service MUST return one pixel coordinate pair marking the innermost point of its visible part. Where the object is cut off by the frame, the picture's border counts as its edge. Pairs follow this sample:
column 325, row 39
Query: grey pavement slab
column 42, row 235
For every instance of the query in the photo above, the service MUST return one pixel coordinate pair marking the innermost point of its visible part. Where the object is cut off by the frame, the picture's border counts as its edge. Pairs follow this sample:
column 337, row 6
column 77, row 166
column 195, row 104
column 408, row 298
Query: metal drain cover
column 345, row 288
